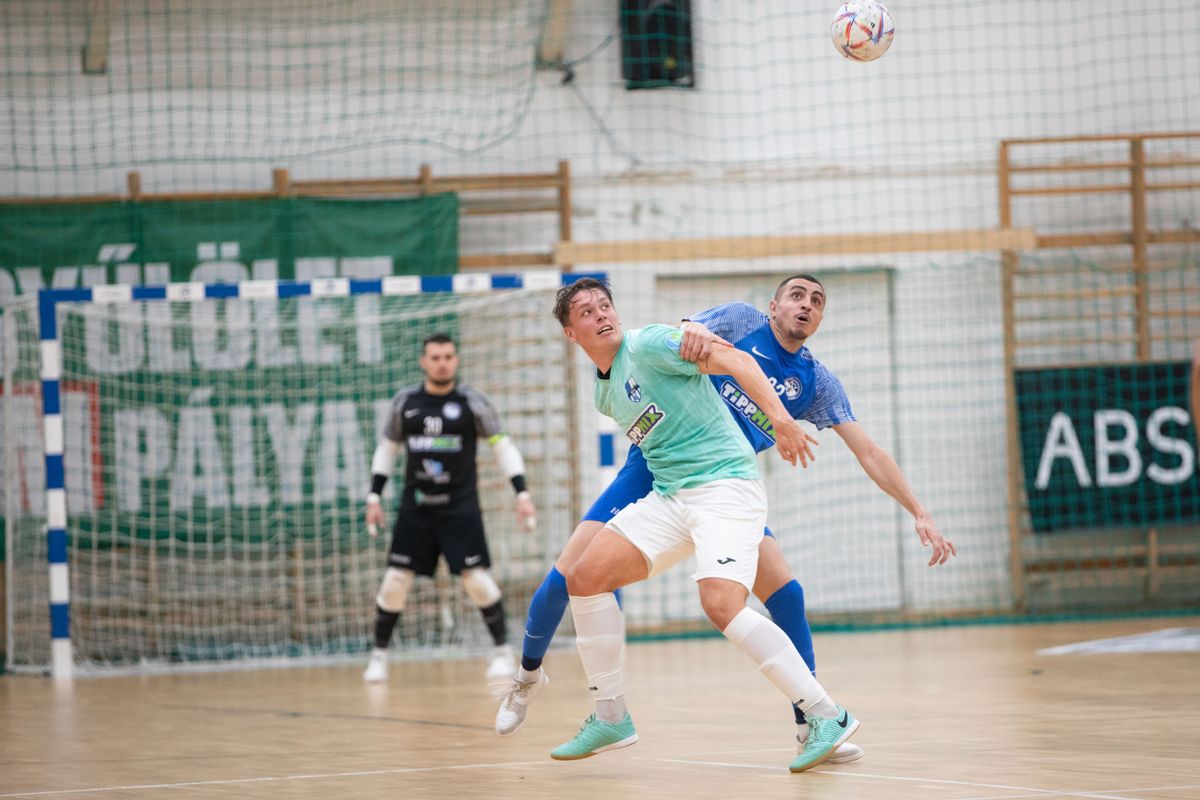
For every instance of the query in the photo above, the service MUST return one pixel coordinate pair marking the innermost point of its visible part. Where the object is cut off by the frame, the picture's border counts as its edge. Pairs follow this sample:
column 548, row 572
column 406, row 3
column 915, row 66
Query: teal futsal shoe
column 596, row 736
column 825, row 734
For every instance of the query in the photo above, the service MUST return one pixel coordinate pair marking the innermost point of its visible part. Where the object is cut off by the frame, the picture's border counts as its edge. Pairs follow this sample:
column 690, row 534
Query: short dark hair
column 562, row 300
column 799, row 276
column 437, row 338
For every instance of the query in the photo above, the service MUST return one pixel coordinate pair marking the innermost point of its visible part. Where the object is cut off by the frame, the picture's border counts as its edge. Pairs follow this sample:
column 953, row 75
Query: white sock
column 600, row 638
column 379, row 652
column 770, row 648
column 611, row 710
column 825, row 707
column 525, row 676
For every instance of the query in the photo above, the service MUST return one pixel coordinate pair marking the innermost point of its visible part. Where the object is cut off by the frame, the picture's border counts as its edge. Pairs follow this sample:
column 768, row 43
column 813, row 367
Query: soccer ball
column 862, row 31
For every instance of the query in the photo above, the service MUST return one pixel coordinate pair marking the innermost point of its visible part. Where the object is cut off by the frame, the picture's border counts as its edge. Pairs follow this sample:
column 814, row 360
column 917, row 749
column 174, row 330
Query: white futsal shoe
column 514, row 701
column 502, row 665
column 377, row 667
column 844, row 754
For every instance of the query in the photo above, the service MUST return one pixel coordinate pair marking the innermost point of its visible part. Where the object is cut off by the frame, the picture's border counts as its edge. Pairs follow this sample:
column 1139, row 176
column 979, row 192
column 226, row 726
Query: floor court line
column 1106, row 795
column 1096, row 794
column 1089, row 794
column 1026, row 792
column 272, row 778
column 869, row 776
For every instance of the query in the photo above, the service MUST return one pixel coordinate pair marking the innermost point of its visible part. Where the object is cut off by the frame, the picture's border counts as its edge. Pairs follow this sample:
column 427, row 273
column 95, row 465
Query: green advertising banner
column 198, row 405
column 1108, row 446
column 211, row 241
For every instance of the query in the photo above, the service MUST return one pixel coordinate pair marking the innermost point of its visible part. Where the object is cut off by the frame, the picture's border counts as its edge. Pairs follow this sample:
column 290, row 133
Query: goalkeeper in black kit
column 439, row 422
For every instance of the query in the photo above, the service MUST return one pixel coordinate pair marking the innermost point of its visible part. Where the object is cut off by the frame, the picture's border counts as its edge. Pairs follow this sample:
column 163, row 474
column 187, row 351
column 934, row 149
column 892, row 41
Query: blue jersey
column 808, row 390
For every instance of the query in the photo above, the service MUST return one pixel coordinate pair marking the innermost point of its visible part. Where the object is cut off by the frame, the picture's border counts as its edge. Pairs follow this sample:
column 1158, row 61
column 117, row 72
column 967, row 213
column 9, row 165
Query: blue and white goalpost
column 54, row 383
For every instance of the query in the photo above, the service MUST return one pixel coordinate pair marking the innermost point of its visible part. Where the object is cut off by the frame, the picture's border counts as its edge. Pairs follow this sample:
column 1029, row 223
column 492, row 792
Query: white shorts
column 721, row 522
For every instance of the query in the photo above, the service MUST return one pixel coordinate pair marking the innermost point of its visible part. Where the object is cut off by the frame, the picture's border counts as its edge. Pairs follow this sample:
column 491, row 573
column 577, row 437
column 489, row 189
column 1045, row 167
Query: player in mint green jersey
column 708, row 500
column 810, row 392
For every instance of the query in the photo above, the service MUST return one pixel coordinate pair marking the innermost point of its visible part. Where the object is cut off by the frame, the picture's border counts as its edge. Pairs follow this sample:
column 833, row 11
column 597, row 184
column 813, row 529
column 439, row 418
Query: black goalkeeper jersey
column 440, row 434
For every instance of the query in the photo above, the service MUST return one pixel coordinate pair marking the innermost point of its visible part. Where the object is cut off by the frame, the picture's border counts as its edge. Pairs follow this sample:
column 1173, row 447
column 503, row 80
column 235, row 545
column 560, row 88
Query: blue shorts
column 632, row 483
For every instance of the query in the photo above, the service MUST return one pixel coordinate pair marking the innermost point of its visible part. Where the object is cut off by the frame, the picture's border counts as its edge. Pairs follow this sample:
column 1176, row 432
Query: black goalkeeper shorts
column 421, row 535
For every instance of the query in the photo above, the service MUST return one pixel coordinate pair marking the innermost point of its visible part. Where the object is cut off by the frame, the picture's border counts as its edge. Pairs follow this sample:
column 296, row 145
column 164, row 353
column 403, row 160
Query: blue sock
column 545, row 613
column 787, row 611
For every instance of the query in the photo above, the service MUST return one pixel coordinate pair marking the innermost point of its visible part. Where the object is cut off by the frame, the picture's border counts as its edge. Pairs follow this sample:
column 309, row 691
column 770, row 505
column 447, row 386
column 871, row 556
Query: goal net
column 217, row 457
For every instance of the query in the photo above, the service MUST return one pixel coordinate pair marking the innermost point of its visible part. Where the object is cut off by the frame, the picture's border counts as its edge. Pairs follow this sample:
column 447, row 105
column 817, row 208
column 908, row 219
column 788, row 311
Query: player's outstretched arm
column 883, row 469
column 791, row 441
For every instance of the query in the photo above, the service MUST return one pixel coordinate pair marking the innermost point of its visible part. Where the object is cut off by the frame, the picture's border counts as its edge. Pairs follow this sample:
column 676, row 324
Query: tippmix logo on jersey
column 449, row 443
column 732, row 394
column 641, row 427
column 633, row 391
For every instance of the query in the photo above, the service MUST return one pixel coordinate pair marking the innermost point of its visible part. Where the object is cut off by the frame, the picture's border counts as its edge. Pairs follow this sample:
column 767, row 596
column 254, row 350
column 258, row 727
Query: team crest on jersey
column 452, row 410
column 791, row 387
column 433, row 471
column 633, row 391
column 645, row 423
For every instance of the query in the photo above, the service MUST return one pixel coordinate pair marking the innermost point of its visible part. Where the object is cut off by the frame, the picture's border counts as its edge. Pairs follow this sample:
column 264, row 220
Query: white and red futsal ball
column 862, row 31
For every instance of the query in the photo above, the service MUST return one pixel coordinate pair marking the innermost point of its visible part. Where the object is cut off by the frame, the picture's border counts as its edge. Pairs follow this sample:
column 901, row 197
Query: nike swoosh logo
column 469, row 560
column 754, row 349
column 412, row 412
column 845, row 719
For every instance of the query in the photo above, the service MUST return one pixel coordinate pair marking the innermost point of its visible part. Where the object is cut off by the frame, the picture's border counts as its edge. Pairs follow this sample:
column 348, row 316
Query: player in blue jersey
column 810, row 392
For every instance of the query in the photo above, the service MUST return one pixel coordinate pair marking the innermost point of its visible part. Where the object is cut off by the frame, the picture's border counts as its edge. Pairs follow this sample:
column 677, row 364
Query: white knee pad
column 480, row 587
column 393, row 590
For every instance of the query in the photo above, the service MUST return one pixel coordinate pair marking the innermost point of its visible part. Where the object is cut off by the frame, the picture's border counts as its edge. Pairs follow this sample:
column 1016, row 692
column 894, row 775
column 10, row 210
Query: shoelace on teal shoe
column 814, row 731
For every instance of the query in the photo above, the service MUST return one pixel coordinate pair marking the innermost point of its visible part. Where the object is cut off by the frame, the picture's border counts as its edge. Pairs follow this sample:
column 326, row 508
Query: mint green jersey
column 673, row 413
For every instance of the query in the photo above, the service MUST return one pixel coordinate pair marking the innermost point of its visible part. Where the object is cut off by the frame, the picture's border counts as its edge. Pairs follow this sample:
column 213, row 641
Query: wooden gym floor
column 964, row 713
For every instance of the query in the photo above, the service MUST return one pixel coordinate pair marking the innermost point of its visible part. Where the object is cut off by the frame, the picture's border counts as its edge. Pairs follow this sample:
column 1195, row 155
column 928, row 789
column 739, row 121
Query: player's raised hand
column 526, row 512
column 943, row 548
column 793, row 443
column 374, row 515
column 698, row 342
